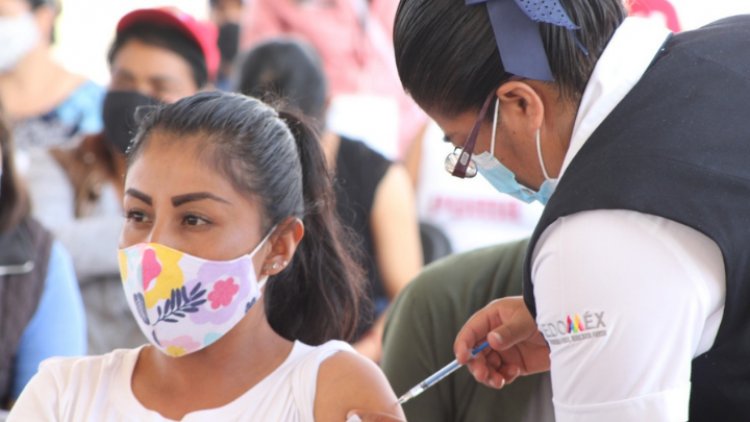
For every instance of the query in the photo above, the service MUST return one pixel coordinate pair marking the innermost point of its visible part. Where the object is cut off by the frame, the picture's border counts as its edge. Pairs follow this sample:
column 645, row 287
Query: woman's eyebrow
column 139, row 195
column 196, row 196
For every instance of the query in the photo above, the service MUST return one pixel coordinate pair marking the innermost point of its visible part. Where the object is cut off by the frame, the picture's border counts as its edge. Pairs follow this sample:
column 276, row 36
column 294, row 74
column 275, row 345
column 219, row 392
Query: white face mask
column 183, row 303
column 18, row 36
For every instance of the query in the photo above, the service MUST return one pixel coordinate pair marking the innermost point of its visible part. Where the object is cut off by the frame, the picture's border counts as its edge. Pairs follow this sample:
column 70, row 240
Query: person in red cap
column 191, row 45
column 157, row 56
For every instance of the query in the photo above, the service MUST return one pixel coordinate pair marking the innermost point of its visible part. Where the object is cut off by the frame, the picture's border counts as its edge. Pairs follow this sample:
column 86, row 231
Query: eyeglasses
column 460, row 164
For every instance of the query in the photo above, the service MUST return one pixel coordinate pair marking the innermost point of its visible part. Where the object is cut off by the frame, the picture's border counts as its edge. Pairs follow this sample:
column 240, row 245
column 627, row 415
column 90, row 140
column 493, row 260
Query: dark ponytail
column 276, row 157
column 323, row 286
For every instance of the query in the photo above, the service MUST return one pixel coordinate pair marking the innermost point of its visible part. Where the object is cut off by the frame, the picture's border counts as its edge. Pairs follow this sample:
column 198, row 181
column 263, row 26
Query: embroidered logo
column 575, row 327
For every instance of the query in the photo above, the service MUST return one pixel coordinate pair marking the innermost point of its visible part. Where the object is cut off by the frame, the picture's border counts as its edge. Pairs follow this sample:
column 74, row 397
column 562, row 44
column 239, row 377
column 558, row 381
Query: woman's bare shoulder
column 347, row 381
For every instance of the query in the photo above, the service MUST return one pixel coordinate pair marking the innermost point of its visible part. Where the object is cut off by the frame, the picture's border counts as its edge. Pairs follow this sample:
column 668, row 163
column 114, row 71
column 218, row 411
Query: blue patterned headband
column 514, row 23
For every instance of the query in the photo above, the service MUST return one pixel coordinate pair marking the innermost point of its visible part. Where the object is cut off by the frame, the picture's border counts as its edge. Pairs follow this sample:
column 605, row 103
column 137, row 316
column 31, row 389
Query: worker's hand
column 516, row 345
column 364, row 416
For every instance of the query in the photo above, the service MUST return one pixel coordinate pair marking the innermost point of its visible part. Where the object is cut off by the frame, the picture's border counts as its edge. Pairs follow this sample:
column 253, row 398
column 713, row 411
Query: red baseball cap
column 204, row 34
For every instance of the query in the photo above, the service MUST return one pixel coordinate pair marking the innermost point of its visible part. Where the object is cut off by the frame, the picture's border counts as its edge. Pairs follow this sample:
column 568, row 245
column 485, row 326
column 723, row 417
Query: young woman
column 233, row 267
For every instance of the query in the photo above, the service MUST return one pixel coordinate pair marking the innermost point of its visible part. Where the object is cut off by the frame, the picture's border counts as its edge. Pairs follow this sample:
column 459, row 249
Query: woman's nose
column 158, row 234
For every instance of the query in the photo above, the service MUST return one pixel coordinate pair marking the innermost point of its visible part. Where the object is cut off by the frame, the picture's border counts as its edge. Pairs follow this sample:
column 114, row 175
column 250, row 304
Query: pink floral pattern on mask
column 170, row 276
column 151, row 268
column 214, row 274
column 184, row 303
column 223, row 292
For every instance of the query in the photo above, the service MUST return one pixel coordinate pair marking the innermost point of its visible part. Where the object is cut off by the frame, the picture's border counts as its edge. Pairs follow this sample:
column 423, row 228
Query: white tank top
column 98, row 388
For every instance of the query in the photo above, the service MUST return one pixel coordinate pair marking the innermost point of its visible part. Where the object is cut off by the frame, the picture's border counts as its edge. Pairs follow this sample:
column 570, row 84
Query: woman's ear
column 283, row 244
column 521, row 107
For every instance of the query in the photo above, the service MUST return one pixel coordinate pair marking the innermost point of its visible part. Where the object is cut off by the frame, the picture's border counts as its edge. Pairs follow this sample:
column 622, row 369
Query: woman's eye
column 136, row 216
column 194, row 220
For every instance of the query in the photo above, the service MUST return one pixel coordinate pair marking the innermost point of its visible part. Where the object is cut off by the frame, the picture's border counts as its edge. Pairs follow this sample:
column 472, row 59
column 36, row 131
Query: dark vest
column 678, row 146
column 24, row 255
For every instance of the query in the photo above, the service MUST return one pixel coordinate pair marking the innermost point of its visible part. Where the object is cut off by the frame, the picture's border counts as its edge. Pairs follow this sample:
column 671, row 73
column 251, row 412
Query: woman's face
column 519, row 106
column 174, row 198
column 153, row 71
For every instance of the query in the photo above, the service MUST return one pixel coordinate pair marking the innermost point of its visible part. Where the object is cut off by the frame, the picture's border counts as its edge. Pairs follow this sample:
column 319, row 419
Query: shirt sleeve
column 82, row 109
column 58, row 327
column 625, row 301
column 40, row 400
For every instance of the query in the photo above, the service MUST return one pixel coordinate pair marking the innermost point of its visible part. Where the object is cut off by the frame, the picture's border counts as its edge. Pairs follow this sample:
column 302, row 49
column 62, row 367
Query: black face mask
column 119, row 116
column 229, row 39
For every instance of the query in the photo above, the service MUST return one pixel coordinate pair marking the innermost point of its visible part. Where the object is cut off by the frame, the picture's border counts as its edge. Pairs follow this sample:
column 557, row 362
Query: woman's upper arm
column 395, row 230
column 347, row 381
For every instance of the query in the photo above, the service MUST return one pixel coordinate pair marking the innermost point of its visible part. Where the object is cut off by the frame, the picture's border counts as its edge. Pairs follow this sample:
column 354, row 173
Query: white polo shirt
column 625, row 300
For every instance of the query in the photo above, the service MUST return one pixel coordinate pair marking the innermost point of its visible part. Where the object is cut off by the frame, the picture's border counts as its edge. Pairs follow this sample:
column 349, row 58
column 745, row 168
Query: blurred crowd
column 432, row 248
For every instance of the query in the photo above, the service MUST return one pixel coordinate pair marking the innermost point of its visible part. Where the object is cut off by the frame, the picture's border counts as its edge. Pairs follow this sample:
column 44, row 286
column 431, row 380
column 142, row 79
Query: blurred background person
column 354, row 40
column 46, row 104
column 373, row 195
column 158, row 56
column 226, row 15
column 41, row 313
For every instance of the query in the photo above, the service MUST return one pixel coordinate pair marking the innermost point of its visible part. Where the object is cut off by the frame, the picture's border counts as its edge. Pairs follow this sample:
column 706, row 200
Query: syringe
column 437, row 376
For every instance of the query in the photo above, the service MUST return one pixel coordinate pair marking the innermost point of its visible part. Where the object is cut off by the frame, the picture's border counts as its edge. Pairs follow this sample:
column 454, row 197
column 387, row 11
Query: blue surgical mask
column 503, row 180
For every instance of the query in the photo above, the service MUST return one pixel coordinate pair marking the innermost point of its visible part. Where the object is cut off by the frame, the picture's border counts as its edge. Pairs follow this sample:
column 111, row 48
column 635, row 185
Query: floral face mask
column 183, row 303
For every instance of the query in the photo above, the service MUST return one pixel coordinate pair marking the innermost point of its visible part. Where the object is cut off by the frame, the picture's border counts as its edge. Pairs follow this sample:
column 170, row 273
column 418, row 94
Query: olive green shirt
column 422, row 326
